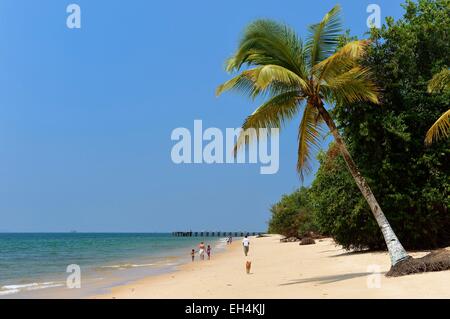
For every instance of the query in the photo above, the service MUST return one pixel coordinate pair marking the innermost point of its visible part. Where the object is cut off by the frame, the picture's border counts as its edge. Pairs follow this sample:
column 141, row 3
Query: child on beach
column 208, row 252
column 193, row 254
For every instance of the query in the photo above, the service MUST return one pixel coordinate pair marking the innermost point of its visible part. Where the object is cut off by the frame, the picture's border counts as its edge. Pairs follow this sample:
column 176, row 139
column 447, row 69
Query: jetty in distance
column 214, row 234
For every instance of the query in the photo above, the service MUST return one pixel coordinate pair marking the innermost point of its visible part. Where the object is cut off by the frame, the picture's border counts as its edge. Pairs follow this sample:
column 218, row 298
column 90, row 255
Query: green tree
column 410, row 181
column 294, row 75
column 339, row 210
column 292, row 215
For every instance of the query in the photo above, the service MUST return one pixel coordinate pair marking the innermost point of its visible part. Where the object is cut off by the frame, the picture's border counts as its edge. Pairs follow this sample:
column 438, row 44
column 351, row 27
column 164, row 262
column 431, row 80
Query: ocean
column 34, row 265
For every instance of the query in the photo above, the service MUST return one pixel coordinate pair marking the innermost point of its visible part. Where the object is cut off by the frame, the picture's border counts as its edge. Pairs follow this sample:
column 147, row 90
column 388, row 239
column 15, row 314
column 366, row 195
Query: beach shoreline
column 286, row 270
column 104, row 260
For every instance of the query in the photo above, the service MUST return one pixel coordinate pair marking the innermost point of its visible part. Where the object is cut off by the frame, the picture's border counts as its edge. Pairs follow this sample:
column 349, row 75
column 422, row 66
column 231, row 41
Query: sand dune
column 288, row 270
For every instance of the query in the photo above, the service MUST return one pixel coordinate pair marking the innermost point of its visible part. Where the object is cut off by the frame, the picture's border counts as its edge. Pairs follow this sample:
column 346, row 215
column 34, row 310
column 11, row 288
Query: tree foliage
column 292, row 215
column 410, row 180
column 339, row 209
column 298, row 76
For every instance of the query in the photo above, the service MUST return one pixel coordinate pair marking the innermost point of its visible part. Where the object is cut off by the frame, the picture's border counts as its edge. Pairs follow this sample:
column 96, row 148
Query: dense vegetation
column 292, row 215
column 410, row 180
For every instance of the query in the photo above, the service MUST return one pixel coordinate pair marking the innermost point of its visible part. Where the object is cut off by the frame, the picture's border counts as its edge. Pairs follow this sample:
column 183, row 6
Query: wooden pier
column 214, row 234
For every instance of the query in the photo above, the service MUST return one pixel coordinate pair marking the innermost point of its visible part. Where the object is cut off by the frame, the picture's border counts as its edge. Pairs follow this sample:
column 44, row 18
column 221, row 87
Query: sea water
column 33, row 265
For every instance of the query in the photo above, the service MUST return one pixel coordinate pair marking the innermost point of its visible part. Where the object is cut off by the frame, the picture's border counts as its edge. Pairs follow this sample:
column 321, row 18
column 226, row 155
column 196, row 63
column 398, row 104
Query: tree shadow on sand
column 354, row 253
column 328, row 279
column 327, row 251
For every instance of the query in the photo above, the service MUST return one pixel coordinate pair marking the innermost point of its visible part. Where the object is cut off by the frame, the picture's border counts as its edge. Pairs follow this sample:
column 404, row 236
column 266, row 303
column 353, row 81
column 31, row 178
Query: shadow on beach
column 327, row 279
column 353, row 253
column 344, row 253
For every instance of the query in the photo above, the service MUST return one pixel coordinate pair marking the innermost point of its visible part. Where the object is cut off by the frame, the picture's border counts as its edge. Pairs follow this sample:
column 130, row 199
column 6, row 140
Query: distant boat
column 73, row 231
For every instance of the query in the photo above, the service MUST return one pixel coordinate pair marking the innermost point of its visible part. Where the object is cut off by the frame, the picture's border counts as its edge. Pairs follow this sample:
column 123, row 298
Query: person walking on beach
column 193, row 254
column 208, row 252
column 246, row 245
column 201, row 251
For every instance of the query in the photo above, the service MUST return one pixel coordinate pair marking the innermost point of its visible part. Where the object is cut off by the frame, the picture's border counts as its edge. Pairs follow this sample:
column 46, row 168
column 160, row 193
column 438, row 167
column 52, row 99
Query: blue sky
column 86, row 115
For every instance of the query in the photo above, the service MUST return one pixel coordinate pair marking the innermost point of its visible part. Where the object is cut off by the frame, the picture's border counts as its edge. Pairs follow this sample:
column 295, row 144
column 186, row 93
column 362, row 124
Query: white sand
column 288, row 270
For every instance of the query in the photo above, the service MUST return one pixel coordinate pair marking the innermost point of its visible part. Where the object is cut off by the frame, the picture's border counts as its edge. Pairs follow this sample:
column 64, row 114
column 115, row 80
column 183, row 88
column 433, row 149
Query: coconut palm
column 304, row 76
column 440, row 129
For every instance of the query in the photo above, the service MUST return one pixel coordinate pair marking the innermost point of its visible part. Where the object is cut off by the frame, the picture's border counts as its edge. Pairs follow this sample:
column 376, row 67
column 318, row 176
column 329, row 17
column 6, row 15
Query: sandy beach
column 288, row 270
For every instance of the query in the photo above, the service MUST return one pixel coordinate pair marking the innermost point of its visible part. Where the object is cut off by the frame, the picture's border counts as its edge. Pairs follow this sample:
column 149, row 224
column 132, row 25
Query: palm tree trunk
column 396, row 250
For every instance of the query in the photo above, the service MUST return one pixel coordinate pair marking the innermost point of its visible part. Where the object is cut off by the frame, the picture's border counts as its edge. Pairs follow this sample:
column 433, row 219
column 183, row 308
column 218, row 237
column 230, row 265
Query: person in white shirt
column 246, row 245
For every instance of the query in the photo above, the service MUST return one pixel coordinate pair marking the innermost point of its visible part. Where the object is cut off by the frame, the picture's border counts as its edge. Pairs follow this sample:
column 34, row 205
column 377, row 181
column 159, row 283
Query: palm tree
column 440, row 129
column 296, row 75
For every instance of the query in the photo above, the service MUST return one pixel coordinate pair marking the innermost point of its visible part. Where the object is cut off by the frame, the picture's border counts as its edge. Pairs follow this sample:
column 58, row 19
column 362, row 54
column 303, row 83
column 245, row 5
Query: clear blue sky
column 86, row 115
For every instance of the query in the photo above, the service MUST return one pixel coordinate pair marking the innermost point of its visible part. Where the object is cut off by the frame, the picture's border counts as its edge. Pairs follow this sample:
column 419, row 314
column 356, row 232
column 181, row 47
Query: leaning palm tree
column 299, row 76
column 440, row 129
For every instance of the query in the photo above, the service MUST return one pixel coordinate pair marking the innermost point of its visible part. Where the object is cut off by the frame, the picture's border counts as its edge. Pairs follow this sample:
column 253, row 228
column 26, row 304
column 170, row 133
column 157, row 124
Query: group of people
column 245, row 243
column 201, row 251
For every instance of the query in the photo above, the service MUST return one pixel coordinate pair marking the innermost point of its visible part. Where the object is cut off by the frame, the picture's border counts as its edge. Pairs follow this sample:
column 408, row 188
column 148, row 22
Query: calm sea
column 33, row 265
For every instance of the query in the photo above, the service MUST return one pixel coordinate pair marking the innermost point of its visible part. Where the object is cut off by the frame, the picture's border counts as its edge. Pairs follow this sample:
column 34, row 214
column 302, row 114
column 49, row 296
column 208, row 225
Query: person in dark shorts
column 246, row 245
column 208, row 252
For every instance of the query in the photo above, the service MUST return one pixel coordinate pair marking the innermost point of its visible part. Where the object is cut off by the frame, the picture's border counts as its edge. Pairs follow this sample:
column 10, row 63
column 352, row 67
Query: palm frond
column 440, row 129
column 257, row 80
column 324, row 37
column 267, row 42
column 243, row 83
column 309, row 133
column 440, row 81
column 355, row 85
column 342, row 61
column 272, row 114
column 275, row 73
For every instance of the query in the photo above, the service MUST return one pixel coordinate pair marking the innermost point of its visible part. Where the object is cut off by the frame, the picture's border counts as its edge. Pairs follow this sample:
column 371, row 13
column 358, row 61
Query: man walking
column 246, row 245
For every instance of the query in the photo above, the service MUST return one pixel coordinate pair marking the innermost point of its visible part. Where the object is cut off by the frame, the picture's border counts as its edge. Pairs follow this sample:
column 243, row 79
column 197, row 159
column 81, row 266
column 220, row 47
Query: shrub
column 292, row 215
